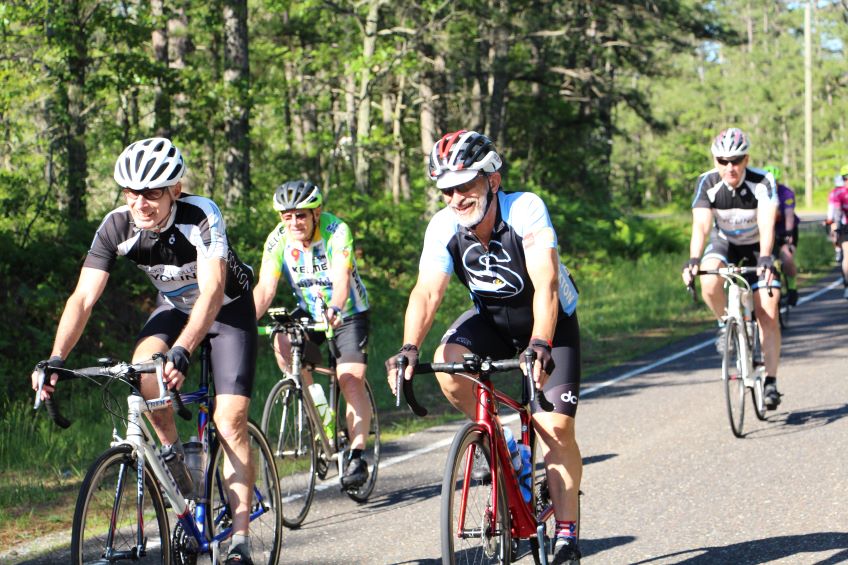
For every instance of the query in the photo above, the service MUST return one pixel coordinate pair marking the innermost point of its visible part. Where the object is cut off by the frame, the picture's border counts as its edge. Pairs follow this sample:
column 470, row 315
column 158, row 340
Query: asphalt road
column 665, row 481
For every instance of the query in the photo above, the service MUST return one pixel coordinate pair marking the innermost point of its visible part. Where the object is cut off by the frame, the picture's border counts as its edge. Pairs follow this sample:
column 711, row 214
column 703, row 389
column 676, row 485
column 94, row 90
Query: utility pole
column 808, row 106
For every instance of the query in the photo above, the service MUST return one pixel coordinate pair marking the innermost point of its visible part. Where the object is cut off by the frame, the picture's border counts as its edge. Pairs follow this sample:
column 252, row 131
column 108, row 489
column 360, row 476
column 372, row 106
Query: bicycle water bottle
column 512, row 446
column 525, row 475
column 195, row 461
column 176, row 464
column 324, row 410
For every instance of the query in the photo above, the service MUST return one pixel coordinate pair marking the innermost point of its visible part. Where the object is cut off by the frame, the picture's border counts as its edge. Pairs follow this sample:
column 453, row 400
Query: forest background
column 604, row 108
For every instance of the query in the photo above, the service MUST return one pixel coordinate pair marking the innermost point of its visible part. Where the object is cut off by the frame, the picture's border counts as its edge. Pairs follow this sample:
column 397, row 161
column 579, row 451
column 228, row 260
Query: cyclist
column 786, row 233
column 837, row 222
column 734, row 214
column 180, row 242
column 503, row 248
column 315, row 251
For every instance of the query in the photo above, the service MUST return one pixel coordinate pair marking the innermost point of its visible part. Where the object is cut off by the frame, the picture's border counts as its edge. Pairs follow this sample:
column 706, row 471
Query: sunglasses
column 462, row 188
column 151, row 194
column 292, row 216
column 732, row 161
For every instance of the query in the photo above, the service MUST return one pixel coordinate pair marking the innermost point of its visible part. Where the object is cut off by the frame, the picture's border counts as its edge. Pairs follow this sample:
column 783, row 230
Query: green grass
column 627, row 308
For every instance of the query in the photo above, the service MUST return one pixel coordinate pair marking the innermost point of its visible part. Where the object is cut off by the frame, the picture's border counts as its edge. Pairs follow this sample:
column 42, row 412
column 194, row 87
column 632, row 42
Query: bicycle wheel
column 292, row 438
column 732, row 365
column 266, row 523
column 107, row 507
column 371, row 453
column 482, row 537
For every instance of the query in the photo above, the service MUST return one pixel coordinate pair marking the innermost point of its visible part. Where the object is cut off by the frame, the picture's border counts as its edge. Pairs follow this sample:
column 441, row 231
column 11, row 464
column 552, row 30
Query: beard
column 471, row 218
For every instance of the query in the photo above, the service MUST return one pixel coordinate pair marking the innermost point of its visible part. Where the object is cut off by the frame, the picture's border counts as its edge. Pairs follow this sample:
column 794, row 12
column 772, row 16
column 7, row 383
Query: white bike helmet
column 460, row 156
column 149, row 163
column 731, row 142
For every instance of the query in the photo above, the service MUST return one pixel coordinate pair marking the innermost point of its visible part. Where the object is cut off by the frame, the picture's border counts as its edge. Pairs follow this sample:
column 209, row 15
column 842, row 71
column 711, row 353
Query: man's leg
column 352, row 382
column 712, row 287
column 458, row 391
column 231, row 423
column 767, row 318
column 161, row 420
column 563, row 461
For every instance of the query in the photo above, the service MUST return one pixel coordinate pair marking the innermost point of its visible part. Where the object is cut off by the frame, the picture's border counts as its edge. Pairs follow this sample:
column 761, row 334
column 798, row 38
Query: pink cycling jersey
column 837, row 205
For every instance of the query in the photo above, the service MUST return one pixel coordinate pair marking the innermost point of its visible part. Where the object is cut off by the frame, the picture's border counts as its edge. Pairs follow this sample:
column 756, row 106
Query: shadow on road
column 763, row 550
column 800, row 421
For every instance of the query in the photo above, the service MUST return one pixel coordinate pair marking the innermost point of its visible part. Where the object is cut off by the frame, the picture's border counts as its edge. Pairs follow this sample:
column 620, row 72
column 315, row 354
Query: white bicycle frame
column 740, row 307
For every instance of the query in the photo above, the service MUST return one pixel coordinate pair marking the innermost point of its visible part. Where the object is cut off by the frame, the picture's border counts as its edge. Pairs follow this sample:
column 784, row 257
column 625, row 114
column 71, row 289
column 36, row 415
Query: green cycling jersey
column 308, row 268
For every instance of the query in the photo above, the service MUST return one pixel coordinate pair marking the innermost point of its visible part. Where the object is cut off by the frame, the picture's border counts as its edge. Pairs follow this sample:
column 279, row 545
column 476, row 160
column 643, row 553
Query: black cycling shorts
column 233, row 337
column 351, row 340
column 473, row 331
column 739, row 255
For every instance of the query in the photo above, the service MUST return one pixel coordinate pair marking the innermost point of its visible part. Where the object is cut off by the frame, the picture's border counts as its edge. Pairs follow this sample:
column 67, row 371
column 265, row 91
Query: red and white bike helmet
column 460, row 156
column 731, row 142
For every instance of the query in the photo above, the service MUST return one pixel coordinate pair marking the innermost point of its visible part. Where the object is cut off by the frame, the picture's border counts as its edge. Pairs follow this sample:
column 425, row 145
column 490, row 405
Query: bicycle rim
column 110, row 486
column 290, row 434
column 371, row 453
column 732, row 365
column 266, row 524
column 480, row 538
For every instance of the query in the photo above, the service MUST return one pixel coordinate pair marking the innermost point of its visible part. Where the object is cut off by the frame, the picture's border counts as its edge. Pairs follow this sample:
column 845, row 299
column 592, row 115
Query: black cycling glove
column 766, row 262
column 542, row 349
column 180, row 357
column 409, row 351
column 692, row 262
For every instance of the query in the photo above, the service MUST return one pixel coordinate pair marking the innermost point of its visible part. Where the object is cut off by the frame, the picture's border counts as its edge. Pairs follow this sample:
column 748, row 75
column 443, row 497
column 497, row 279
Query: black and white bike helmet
column 460, row 156
column 731, row 142
column 297, row 194
column 149, row 163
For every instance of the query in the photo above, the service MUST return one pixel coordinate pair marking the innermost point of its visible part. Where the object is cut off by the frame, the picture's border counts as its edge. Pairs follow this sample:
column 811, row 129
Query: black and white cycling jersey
column 735, row 209
column 195, row 230
column 496, row 275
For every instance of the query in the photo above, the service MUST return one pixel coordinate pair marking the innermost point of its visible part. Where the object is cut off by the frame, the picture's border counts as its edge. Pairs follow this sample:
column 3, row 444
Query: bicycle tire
column 110, row 483
column 266, row 529
column 732, row 365
column 757, row 391
column 475, row 544
column 372, row 450
column 291, row 434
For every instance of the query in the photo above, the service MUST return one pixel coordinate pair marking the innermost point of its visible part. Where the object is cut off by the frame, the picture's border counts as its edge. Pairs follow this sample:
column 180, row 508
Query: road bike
column 304, row 444
column 121, row 511
column 483, row 518
column 741, row 364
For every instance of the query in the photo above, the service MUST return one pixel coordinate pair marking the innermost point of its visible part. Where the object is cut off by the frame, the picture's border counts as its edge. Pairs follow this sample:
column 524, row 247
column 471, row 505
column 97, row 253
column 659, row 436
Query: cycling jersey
column 308, row 269
column 735, row 210
column 496, row 275
column 785, row 207
column 169, row 258
column 837, row 205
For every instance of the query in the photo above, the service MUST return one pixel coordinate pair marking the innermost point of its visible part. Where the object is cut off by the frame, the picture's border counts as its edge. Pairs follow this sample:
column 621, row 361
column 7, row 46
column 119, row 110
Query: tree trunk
column 179, row 47
column 237, row 113
column 76, row 152
column 363, row 111
column 161, row 94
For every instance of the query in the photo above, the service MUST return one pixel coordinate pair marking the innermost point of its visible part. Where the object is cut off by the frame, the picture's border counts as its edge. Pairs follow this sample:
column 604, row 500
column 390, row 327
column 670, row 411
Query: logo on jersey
column 172, row 239
column 568, row 397
column 295, row 253
column 488, row 272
